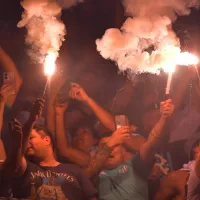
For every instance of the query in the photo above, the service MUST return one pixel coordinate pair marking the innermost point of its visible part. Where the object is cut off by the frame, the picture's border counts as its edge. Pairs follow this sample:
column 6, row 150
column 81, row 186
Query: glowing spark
column 182, row 58
column 49, row 65
column 187, row 58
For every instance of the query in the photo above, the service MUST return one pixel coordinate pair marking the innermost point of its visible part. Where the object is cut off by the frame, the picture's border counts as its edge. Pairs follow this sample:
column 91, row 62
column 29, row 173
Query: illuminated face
column 83, row 139
column 116, row 157
column 195, row 152
column 37, row 146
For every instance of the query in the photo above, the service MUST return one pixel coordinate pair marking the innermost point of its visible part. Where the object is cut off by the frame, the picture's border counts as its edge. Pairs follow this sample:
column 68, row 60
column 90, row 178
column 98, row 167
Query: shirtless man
column 174, row 185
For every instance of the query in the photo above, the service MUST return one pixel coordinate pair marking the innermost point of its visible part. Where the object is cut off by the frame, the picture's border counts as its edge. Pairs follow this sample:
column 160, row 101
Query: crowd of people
column 108, row 161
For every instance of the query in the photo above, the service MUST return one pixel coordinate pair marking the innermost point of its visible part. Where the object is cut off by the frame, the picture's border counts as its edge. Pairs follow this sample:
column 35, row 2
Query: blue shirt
column 126, row 182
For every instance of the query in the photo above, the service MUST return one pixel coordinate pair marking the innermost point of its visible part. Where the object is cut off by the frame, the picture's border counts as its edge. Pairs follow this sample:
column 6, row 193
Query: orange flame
column 49, row 65
column 186, row 58
column 183, row 58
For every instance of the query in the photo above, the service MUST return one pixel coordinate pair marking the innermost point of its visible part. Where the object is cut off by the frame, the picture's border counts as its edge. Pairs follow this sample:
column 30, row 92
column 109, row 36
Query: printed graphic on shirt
column 47, row 185
column 46, row 192
column 122, row 169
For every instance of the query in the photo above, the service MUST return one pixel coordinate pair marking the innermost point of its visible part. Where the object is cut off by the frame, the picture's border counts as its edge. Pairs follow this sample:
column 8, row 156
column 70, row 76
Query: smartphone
column 9, row 79
column 121, row 120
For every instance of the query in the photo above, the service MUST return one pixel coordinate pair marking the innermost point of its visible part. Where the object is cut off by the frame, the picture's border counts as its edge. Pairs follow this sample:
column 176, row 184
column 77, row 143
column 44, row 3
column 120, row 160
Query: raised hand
column 119, row 136
column 16, row 132
column 37, row 109
column 60, row 108
column 166, row 108
column 78, row 93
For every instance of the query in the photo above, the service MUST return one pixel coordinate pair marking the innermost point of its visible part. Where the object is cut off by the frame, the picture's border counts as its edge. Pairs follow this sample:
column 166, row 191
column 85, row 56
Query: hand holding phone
column 121, row 120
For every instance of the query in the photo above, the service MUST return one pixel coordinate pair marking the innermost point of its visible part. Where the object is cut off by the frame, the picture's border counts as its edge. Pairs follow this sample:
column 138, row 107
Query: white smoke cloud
column 148, row 25
column 45, row 31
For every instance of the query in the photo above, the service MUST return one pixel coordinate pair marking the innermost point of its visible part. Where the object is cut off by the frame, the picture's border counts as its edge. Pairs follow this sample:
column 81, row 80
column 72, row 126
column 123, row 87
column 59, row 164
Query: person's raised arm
column 8, row 66
column 150, row 147
column 14, row 161
column 103, row 116
column 55, row 85
column 63, row 147
column 135, row 141
column 4, row 93
column 96, row 163
column 35, row 113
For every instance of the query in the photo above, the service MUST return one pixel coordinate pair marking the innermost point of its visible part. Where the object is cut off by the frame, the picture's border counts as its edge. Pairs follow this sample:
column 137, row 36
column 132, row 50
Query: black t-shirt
column 5, row 189
column 64, row 181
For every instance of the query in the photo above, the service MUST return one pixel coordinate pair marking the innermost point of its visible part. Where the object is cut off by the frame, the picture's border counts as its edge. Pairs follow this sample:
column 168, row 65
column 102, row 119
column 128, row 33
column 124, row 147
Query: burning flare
column 45, row 30
column 146, row 41
column 182, row 58
column 186, row 58
column 49, row 64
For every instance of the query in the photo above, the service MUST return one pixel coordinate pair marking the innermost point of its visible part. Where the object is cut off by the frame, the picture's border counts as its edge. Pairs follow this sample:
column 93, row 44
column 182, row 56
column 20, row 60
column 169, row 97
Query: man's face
column 116, row 157
column 83, row 139
column 37, row 145
column 195, row 152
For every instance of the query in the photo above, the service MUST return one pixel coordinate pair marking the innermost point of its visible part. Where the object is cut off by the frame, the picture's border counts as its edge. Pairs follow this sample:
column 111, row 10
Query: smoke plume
column 146, row 41
column 45, row 31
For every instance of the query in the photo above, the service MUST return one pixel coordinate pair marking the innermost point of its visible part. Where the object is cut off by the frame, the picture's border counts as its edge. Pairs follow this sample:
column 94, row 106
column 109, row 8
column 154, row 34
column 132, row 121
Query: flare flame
column 49, row 64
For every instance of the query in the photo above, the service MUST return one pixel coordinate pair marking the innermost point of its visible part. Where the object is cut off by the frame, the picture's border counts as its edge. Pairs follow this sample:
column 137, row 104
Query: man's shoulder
column 176, row 175
column 69, row 167
column 176, row 179
column 61, row 168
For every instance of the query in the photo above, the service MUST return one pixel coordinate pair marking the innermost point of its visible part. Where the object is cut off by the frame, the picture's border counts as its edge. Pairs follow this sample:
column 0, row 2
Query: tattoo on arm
column 97, row 161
